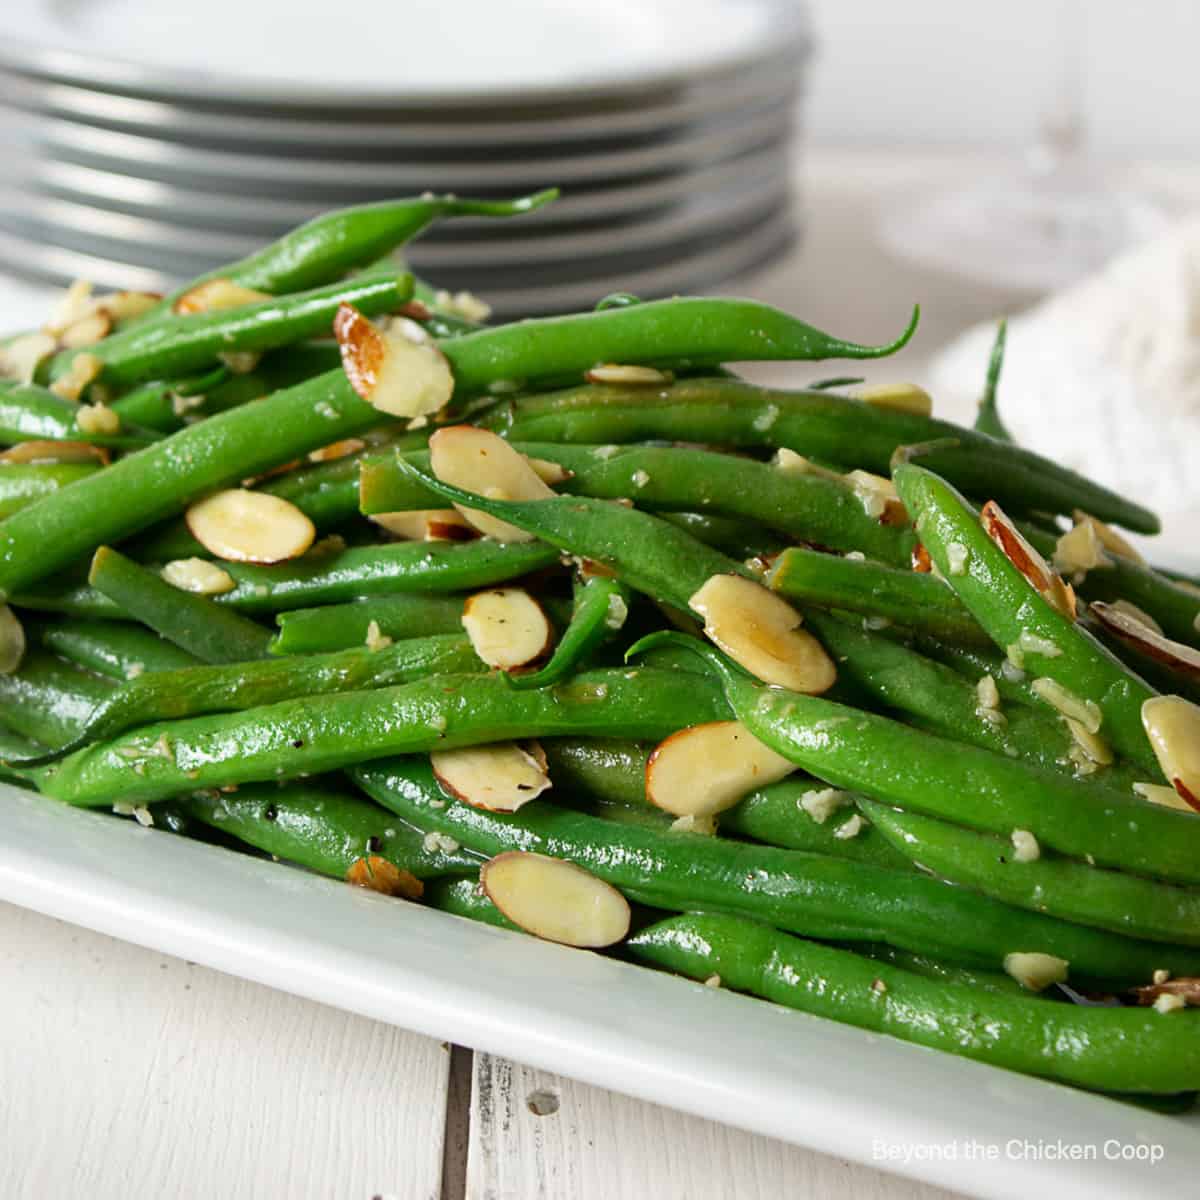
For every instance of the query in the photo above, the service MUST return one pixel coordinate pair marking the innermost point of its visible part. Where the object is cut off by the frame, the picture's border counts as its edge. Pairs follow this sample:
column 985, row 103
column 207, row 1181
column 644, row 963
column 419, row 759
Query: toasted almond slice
column 124, row 306
column 1027, row 560
column 1080, row 550
column 426, row 525
column 549, row 472
column 903, row 397
column 621, row 373
column 555, row 900
column 336, row 450
column 507, row 627
column 1185, row 988
column 481, row 462
column 54, row 452
column 1135, row 632
column 378, row 874
column 87, row 331
column 74, row 304
column 198, row 575
column 399, row 371
column 1160, row 793
column 921, row 562
column 705, row 769
column 1109, row 538
column 12, row 641
column 83, row 370
column 98, row 420
column 761, row 631
column 243, row 526
column 1034, row 970
column 20, row 358
column 1173, row 726
column 499, row 778
column 213, row 295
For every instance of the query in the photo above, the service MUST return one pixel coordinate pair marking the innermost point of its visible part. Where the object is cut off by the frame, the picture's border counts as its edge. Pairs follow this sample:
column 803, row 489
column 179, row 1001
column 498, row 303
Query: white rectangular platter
column 865, row 1097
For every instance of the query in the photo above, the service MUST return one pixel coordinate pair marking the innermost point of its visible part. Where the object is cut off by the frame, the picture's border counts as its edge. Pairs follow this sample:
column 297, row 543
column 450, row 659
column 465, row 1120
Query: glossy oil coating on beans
column 21, row 484
column 809, row 507
column 323, row 829
column 118, row 649
column 324, row 733
column 193, row 691
column 160, row 481
column 895, row 763
column 1122, row 1049
column 808, row 893
column 48, row 700
column 829, row 428
column 1062, row 887
column 1009, row 608
column 341, row 626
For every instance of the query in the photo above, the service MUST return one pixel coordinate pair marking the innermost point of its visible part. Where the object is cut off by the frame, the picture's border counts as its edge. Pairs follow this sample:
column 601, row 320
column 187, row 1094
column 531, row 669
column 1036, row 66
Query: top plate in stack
column 149, row 141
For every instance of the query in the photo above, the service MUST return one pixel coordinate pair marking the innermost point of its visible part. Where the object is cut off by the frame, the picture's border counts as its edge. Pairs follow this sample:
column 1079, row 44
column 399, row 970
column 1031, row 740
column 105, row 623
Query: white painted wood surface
column 124, row 1073
column 538, row 1136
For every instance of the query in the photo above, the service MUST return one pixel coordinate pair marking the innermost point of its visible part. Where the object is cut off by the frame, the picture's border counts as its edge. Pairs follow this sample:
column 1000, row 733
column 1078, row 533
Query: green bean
column 690, row 331
column 919, row 602
column 13, row 745
column 463, row 897
column 21, row 484
column 936, row 698
column 340, row 626
column 975, row 662
column 323, row 829
column 114, row 649
column 735, row 538
column 1111, row 1049
column 171, row 345
column 239, row 686
column 615, row 772
column 324, row 733
column 987, row 420
column 1012, row 611
column 811, row 507
column 192, row 622
column 144, row 488
column 48, row 700
column 933, row 968
column 829, row 428
column 600, row 608
column 788, row 888
column 1175, row 608
column 32, row 413
column 329, row 245
column 1061, row 887
column 914, row 770
column 643, row 551
column 162, row 403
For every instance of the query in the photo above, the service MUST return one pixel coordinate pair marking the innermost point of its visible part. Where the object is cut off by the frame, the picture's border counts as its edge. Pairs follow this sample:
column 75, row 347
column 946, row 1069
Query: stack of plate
column 668, row 131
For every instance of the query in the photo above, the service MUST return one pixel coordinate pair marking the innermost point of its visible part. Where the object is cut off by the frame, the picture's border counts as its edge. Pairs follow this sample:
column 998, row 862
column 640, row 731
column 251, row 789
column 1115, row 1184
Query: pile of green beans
column 946, row 848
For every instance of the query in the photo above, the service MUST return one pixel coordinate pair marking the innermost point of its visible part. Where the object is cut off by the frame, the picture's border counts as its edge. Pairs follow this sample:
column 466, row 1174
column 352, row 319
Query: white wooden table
column 126, row 1074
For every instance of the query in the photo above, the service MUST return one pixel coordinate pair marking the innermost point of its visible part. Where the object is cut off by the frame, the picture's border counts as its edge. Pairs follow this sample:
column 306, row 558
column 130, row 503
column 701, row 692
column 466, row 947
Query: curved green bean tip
column 905, row 454
column 617, row 300
column 902, row 340
column 711, row 656
column 524, row 204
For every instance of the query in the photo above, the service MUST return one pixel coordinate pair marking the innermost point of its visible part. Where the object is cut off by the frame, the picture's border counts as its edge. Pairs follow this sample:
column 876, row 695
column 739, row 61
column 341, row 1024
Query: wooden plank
column 128, row 1073
column 538, row 1136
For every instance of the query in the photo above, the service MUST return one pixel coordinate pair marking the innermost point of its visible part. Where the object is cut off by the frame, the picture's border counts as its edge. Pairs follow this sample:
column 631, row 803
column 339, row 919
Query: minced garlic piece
column 823, row 803
column 1025, row 846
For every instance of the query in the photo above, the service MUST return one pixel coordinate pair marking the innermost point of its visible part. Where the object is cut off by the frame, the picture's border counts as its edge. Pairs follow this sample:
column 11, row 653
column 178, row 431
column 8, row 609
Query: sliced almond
column 1135, row 632
column 198, row 575
column 378, row 874
column 336, row 450
column 1080, row 550
column 20, row 358
column 54, row 452
column 1109, row 538
column 243, row 526
column 921, row 562
column 556, row 900
column 480, row 461
column 214, row 295
column 635, row 376
column 1034, row 970
column 87, row 331
column 84, row 368
column 507, row 627
column 426, row 525
column 1173, row 726
column 399, row 371
column 1161, row 794
column 761, row 631
column 549, row 472
column 499, row 778
column 12, row 641
column 902, row 397
column 1060, row 596
column 124, row 306
column 878, row 496
column 74, row 303
column 705, row 769
column 98, row 420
